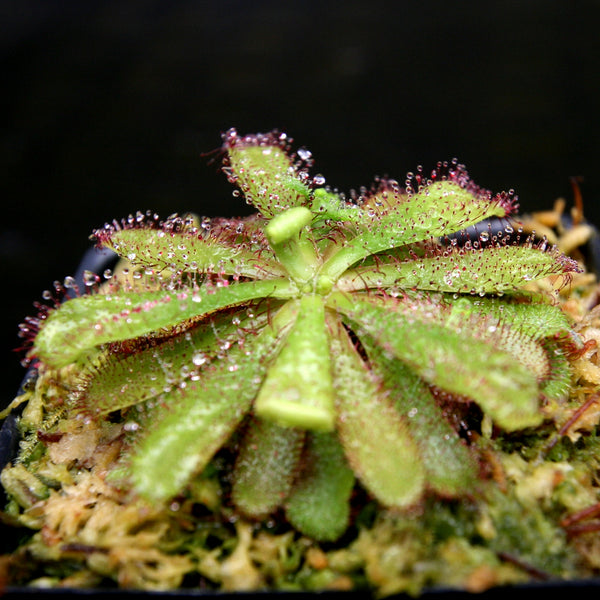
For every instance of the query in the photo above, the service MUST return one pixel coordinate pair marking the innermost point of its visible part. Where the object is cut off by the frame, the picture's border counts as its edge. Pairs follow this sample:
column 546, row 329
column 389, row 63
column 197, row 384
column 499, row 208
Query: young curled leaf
column 294, row 248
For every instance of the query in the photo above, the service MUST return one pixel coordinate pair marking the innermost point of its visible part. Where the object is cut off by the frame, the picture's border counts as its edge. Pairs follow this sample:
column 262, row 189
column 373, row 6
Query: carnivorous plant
column 339, row 340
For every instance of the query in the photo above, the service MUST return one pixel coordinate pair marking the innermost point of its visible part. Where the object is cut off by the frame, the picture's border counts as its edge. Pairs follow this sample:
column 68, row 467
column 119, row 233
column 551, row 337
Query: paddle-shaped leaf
column 88, row 321
column 319, row 505
column 187, row 252
column 457, row 362
column 439, row 209
column 449, row 465
column 495, row 269
column 266, row 466
column 265, row 172
column 298, row 389
column 157, row 370
column 199, row 419
column 375, row 436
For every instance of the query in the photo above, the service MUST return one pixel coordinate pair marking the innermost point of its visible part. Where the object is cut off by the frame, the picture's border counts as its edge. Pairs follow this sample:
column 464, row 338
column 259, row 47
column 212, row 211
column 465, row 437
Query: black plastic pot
column 97, row 261
column 577, row 590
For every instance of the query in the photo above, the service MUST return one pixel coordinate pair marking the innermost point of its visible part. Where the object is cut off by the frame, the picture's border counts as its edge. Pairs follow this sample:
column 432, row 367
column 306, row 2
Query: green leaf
column 441, row 208
column 298, row 390
column 556, row 385
column 374, row 434
column 287, row 224
column 184, row 436
column 125, row 379
column 327, row 205
column 189, row 252
column 265, row 467
column 535, row 318
column 451, row 468
column 88, row 321
column 266, row 174
column 526, row 329
column 476, row 271
column 319, row 504
column 453, row 360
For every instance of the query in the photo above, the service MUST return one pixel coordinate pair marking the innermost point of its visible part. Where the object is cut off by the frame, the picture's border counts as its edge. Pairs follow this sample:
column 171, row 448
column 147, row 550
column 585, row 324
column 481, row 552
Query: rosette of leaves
column 320, row 331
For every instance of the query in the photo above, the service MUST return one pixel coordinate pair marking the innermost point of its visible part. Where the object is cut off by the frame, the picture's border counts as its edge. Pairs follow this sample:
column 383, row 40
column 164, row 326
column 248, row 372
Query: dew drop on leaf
column 304, row 154
column 199, row 359
column 70, row 282
column 89, row 278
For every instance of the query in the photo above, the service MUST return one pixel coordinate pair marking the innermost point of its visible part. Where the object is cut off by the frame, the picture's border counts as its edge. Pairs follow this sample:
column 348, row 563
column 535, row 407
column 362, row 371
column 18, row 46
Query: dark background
column 108, row 107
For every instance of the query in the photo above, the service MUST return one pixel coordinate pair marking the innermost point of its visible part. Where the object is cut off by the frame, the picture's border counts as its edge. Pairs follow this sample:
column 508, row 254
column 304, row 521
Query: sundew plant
column 332, row 342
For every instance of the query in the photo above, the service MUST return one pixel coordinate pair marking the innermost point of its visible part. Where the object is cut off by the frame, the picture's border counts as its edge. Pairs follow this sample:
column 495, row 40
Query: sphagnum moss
column 327, row 367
